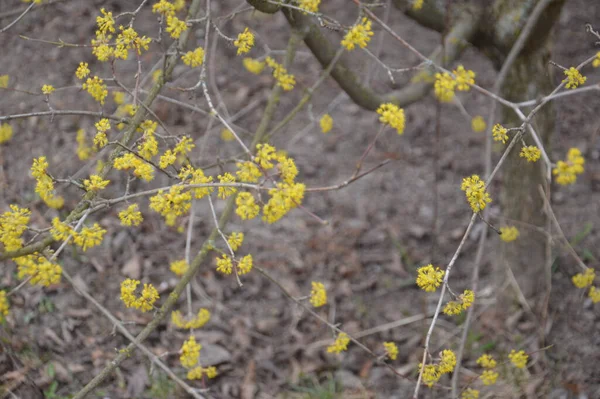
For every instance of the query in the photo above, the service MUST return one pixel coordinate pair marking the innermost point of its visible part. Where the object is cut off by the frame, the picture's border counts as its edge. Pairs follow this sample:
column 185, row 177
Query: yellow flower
column 391, row 350
column 594, row 294
column 95, row 183
column 4, row 305
column 595, row 64
column 340, row 344
column 12, row 225
column 171, row 204
column 478, row 124
column 253, row 66
column 519, row 359
column 429, row 278
column 309, row 5
column 531, row 153
column 417, row 4
column 431, row 374
column 97, row 89
column 499, row 133
column 3, row 81
column 194, row 58
column 224, row 192
column 585, row 279
column 574, row 78
column 167, row 159
column 285, row 80
column 444, row 87
column 247, row 208
column 235, row 240
column 464, row 78
column 164, row 7
column 265, row 153
column 244, row 42
column 467, row 298
column 131, row 216
column 196, row 322
column 224, row 264
column 248, row 172
column 89, row 237
column 447, row 362
column 359, row 35
column 245, row 265
column 566, row 171
column 453, row 308
column 489, row 377
column 6, row 132
column 190, row 352
column 185, row 145
column 326, row 123
column 175, row 27
column 470, row 393
column 475, row 192
column 318, row 294
column 392, row 115
column 486, row 361
column 179, row 267
column 48, row 89
column 106, row 23
column 145, row 301
column 509, row 234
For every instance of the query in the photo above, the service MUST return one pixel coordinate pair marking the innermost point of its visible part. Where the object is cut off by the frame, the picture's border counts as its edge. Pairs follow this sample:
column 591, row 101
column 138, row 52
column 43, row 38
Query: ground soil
column 379, row 228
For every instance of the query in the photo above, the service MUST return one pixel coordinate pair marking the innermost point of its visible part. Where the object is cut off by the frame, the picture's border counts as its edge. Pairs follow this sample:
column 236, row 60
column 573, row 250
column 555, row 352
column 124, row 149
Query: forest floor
column 379, row 228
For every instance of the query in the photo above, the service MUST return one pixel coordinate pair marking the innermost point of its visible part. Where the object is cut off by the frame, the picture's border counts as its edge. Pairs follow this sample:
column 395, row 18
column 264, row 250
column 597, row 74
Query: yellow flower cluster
column 340, row 344
column 248, row 172
column 164, row 8
column 179, row 267
column 140, row 168
column 596, row 62
column 6, row 132
column 444, row 87
column 429, row 278
column 518, row 359
column 470, row 393
column 88, row 237
column 171, row 204
column 40, row 269
column 285, row 80
column 244, row 42
column 594, row 294
column 433, row 372
column 391, row 350
column 531, row 153
column 247, row 208
column 509, row 233
column 198, row 321
column 417, row 4
column 48, row 89
column 97, row 89
column 318, row 294
column 131, row 216
column 129, row 39
column 489, row 376
column 197, row 372
column 475, row 192
column 175, row 26
column 585, row 279
column 465, row 300
column 309, row 5
column 104, row 49
column 284, row 198
column 149, row 146
column 145, row 301
column 445, row 83
column 44, row 184
column 235, row 240
column 225, row 191
column 392, row 115
column 224, row 264
column 478, row 124
column 574, row 78
column 83, row 149
column 253, row 66
column 194, row 58
column 196, row 176
column 100, row 139
column 4, row 305
column 3, row 81
column 12, row 225
column 82, row 70
column 500, row 133
column 190, row 352
column 566, row 171
column 95, row 183
column 326, row 123
column 359, row 35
